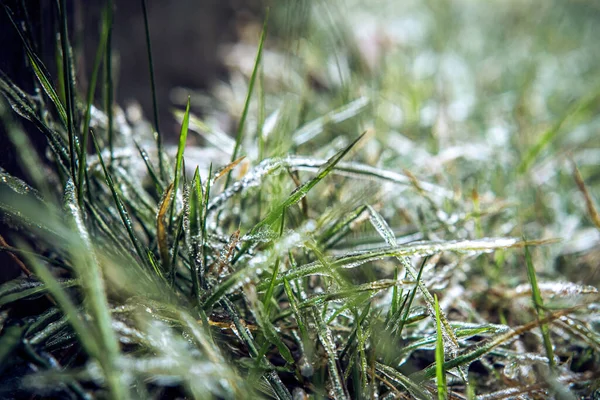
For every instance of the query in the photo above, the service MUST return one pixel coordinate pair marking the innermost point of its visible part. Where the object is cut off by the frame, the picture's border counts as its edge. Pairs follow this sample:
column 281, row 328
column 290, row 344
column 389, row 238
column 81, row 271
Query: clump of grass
column 367, row 243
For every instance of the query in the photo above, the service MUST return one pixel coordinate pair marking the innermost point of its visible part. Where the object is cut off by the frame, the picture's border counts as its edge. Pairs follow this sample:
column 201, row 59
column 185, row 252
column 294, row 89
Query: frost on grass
column 313, row 268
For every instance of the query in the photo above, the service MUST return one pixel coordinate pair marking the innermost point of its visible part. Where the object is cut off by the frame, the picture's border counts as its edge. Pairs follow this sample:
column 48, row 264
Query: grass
column 367, row 245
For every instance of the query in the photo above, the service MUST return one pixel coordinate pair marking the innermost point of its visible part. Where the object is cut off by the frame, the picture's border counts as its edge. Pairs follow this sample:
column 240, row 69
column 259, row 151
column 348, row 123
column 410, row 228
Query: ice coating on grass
column 557, row 289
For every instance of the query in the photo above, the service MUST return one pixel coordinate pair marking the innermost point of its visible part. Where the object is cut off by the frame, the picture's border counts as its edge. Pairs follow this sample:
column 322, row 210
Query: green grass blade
column 159, row 143
column 90, row 273
column 100, row 51
column 268, row 296
column 538, row 304
column 194, row 231
column 388, row 235
column 439, row 355
column 149, row 168
column 85, row 334
column 412, row 297
column 124, row 215
column 338, row 389
column 179, row 160
column 549, row 135
column 409, row 384
column 108, row 76
column 14, row 291
column 299, row 193
column 69, row 78
column 40, row 71
column 242, row 123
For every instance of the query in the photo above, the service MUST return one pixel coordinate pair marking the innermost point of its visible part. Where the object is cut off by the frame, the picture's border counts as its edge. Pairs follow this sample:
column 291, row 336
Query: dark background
column 185, row 36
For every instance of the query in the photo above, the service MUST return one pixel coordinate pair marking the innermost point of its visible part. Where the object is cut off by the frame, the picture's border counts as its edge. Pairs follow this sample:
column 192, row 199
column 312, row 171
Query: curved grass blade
column 40, row 71
column 20, row 103
column 353, row 260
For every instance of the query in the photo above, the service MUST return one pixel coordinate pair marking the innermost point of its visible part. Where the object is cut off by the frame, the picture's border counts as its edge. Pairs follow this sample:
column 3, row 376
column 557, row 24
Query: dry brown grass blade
column 162, row 231
column 589, row 202
column 228, row 168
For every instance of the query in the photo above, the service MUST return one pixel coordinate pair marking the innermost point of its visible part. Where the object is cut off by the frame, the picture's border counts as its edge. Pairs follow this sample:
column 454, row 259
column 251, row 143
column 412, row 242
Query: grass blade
column 92, row 283
column 299, row 193
column 388, row 235
column 68, row 78
column 538, row 304
column 159, row 144
column 440, row 373
column 100, row 51
column 179, row 160
column 120, row 207
column 162, row 230
column 242, row 123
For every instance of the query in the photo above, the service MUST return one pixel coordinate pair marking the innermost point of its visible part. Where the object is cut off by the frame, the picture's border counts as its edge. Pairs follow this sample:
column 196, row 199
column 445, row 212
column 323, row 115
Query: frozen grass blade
column 120, row 207
column 440, row 373
column 242, row 123
column 179, row 160
column 194, row 232
column 388, row 235
column 538, row 304
column 354, row 260
column 269, row 295
column 470, row 356
column 317, row 126
column 338, row 389
column 299, row 193
column 413, row 387
column 149, row 168
column 15, row 291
